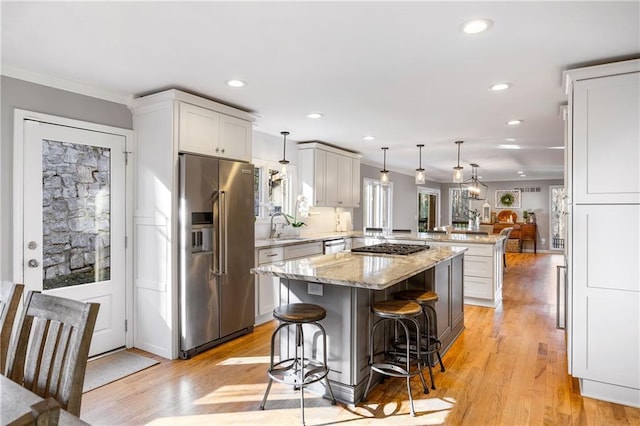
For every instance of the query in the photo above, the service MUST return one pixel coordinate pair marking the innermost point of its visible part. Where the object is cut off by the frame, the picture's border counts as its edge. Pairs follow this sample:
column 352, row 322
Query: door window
column 76, row 214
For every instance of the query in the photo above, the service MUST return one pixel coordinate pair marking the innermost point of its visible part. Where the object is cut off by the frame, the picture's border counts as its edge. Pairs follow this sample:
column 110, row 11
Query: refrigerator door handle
column 222, row 214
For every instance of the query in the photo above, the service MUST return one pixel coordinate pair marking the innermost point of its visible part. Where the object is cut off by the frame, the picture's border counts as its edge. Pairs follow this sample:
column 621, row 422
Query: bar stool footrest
column 393, row 370
column 290, row 374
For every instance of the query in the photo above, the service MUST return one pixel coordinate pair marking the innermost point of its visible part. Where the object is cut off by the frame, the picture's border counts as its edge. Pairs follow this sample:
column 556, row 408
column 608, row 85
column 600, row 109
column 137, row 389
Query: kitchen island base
column 349, row 315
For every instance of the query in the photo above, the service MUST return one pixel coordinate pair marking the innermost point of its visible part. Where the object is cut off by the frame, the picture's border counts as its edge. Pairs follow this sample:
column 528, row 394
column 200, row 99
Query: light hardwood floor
column 507, row 368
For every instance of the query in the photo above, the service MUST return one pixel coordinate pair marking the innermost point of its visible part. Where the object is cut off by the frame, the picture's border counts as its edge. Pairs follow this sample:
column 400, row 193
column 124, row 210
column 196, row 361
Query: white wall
column 21, row 94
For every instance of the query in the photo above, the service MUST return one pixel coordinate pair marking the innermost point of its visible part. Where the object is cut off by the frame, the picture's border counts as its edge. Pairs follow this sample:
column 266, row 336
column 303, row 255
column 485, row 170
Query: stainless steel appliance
column 216, row 252
column 334, row 246
column 393, row 249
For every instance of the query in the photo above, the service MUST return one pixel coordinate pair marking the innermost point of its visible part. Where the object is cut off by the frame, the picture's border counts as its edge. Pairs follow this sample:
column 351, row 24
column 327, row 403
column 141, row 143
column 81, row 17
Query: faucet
column 272, row 234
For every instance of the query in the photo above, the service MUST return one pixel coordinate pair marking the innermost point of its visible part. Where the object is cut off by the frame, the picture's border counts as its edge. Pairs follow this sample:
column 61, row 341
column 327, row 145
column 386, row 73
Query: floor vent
column 529, row 189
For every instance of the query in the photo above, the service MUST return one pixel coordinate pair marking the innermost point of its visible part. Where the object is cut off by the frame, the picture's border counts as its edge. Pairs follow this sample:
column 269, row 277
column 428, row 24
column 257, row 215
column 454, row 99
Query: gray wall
column 21, row 94
column 405, row 198
column 536, row 201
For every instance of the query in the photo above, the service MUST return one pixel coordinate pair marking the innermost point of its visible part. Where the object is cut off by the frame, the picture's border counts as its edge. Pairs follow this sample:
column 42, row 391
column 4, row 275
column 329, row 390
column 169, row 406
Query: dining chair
column 53, row 341
column 43, row 413
column 10, row 294
column 506, row 232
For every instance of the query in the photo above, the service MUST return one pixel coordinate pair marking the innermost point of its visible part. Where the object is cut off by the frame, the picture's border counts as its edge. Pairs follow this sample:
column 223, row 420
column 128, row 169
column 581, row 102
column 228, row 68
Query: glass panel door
column 557, row 227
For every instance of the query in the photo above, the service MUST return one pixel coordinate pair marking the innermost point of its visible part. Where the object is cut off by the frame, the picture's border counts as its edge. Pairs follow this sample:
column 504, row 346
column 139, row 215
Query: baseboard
column 610, row 393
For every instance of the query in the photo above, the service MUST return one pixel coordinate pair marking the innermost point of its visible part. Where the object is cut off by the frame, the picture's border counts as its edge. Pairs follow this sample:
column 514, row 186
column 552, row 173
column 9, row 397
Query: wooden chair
column 10, row 294
column 506, row 232
column 43, row 413
column 53, row 341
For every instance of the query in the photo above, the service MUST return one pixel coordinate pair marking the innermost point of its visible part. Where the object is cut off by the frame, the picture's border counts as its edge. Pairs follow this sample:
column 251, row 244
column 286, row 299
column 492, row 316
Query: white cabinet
column 267, row 287
column 204, row 131
column 165, row 123
column 606, row 153
column 329, row 177
column 267, row 294
column 482, row 273
column 603, row 147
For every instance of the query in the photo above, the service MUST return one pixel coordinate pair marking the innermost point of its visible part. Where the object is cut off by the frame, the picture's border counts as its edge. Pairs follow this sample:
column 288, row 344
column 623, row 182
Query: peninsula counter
column 346, row 284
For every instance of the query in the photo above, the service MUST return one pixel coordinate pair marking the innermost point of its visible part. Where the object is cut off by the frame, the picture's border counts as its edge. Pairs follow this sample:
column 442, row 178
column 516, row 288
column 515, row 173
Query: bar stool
column 298, row 371
column 396, row 364
column 429, row 341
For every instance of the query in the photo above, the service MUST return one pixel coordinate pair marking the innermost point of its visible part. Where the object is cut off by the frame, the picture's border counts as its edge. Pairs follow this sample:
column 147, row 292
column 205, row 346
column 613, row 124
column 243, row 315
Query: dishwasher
column 335, row 246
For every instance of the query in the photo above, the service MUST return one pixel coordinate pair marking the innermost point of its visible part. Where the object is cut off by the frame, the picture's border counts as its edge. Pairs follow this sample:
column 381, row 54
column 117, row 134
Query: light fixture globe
column 457, row 170
column 384, row 173
column 420, row 175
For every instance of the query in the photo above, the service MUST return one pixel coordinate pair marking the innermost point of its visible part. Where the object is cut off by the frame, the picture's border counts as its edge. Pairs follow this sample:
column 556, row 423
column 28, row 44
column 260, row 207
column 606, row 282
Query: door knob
column 33, row 263
column 32, row 245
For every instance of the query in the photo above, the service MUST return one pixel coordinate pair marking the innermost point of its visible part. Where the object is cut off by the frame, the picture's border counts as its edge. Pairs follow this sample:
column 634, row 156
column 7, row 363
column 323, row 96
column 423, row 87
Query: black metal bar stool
column 396, row 364
column 429, row 341
column 298, row 371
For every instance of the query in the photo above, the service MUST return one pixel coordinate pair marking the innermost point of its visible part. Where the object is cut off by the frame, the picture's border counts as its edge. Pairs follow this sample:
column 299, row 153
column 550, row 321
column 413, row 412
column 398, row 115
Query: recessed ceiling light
column 514, row 122
column 523, row 175
column 500, row 86
column 510, row 139
column 556, row 147
column 509, row 146
column 476, row 26
column 315, row 115
column 236, row 83
column 369, row 138
column 520, row 172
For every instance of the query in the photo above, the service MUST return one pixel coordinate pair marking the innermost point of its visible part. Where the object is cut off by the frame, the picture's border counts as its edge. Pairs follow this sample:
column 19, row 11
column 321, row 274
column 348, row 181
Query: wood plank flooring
column 507, row 368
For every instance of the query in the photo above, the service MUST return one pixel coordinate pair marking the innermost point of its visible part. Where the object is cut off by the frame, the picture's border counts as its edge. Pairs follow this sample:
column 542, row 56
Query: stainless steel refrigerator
column 216, row 252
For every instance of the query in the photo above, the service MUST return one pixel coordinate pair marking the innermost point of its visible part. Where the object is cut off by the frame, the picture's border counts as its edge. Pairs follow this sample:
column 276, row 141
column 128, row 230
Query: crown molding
column 64, row 84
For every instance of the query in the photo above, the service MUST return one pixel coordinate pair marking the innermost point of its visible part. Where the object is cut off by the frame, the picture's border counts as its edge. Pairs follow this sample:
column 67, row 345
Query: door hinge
column 126, row 156
column 126, row 326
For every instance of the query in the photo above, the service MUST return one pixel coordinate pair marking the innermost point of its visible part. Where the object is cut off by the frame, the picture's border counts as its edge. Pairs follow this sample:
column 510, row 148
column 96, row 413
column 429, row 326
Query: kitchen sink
column 281, row 239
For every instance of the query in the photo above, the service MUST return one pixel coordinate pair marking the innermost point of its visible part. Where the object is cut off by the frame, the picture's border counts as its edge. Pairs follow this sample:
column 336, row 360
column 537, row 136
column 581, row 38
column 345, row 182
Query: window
column 459, row 206
column 272, row 191
column 377, row 204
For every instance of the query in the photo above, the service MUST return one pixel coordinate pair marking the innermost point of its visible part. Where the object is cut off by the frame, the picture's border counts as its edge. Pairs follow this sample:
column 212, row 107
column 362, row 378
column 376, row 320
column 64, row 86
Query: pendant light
column 457, row 170
column 420, row 176
column 476, row 190
column 384, row 173
column 284, row 162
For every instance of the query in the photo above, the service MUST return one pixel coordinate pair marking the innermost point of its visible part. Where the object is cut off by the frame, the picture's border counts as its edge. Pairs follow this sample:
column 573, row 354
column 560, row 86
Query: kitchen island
column 346, row 284
column 483, row 269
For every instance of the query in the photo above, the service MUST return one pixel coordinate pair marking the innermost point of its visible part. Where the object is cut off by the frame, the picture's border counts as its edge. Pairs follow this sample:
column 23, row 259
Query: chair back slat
column 10, row 295
column 50, row 357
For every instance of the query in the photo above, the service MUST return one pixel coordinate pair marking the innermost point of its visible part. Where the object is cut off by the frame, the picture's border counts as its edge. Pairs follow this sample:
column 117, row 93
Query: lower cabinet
column 267, row 291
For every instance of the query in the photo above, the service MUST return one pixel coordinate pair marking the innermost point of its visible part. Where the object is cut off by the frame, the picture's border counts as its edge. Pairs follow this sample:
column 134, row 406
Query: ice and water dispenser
column 201, row 232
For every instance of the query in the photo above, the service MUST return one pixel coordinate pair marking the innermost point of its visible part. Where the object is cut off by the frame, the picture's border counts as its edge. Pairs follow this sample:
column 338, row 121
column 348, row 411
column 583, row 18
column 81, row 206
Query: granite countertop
column 421, row 236
column 375, row 272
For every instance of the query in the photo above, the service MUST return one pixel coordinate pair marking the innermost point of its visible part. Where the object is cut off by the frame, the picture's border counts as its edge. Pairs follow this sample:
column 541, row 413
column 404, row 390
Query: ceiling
column 402, row 72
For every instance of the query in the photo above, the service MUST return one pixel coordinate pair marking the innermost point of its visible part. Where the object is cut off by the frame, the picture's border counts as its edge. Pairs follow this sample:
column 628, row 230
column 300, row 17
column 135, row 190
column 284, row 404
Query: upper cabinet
column 329, row 177
column 205, row 131
column 604, row 133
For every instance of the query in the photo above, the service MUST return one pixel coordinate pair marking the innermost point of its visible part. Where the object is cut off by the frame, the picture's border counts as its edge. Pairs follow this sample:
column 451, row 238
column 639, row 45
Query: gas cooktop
column 388, row 248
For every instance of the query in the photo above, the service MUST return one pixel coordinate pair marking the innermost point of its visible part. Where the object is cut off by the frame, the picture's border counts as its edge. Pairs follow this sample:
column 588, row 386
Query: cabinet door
column 528, row 231
column 345, row 186
column 331, row 180
column 355, row 182
column 457, row 291
column 606, row 294
column 443, row 288
column 606, row 139
column 198, row 130
column 319, row 165
column 235, row 138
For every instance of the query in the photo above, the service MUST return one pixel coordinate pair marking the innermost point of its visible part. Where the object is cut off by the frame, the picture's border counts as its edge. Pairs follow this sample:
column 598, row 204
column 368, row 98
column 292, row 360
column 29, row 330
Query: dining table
column 16, row 400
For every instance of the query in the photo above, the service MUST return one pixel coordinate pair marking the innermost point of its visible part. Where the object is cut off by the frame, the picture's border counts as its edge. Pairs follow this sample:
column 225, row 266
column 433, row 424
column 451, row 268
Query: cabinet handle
column 222, row 150
column 272, row 254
